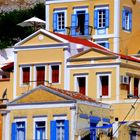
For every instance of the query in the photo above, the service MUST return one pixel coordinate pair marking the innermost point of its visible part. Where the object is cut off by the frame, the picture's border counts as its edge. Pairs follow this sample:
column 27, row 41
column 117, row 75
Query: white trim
column 73, row 123
column 80, row 8
column 64, row 10
column 15, row 76
column 47, row 16
column 41, row 47
column 61, row 1
column 60, row 117
column 35, row 73
column 77, row 67
column 21, row 75
column 66, row 70
column 22, row 120
column 116, row 26
column 76, row 88
column 106, row 36
column 44, row 32
column 40, row 119
column 6, row 127
column 99, row 86
column 117, row 83
column 50, row 73
column 30, row 106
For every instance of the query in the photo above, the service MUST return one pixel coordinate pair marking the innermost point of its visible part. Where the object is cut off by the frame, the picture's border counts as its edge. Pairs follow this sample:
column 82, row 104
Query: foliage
column 10, row 32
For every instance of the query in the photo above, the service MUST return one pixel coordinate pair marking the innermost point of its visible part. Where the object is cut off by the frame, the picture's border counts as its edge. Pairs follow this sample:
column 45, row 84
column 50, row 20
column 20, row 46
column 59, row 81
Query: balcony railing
column 77, row 31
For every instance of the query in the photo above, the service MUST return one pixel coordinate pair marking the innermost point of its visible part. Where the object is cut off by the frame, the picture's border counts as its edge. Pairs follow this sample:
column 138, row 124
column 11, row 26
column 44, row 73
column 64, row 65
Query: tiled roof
column 90, row 44
column 8, row 66
column 74, row 95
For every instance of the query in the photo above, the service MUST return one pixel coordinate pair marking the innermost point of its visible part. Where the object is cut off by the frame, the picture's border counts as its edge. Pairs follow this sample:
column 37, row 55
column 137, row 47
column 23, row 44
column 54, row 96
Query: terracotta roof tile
column 74, row 95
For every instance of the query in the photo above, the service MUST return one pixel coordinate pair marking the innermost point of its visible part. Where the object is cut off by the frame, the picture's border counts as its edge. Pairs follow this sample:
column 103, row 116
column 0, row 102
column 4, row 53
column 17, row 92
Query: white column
column 116, row 25
column 73, row 123
column 6, row 127
column 117, row 83
column 47, row 17
column 15, row 75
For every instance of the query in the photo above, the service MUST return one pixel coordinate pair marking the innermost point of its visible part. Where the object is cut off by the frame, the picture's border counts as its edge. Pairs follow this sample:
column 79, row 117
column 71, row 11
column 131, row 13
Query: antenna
column 4, row 95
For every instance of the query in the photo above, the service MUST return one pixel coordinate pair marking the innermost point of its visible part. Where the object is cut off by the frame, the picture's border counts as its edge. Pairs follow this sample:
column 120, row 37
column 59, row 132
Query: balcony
column 77, row 31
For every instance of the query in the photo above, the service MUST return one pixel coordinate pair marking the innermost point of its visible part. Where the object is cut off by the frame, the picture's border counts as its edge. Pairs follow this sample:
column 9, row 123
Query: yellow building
column 57, row 114
column 113, row 24
column 80, row 65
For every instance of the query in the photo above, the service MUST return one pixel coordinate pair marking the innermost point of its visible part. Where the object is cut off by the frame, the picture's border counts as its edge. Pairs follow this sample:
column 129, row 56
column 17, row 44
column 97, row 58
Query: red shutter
column 104, row 82
column 82, row 85
column 55, row 74
column 40, row 75
column 26, row 75
column 136, row 85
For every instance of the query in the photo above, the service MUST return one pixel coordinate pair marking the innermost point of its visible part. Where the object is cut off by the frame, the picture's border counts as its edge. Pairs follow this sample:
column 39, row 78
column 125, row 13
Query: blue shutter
column 86, row 30
column 73, row 24
column 107, row 45
column 130, row 21
column 53, row 130
column 54, row 21
column 13, row 131
column 107, row 18
column 123, row 19
column 66, row 130
column 95, row 19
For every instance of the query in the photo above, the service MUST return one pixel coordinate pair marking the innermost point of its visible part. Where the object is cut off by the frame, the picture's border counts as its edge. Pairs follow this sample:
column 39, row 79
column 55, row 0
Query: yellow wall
column 40, row 112
column 92, row 80
column 130, row 40
column 44, row 57
column 7, row 84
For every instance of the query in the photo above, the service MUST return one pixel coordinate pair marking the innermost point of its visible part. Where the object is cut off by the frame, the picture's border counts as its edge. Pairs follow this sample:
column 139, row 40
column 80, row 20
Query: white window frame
column 50, row 73
column 99, row 85
column 40, row 119
column 101, row 31
column 65, row 17
column 35, row 73
column 22, row 120
column 102, row 41
column 21, row 75
column 76, row 88
column 77, row 9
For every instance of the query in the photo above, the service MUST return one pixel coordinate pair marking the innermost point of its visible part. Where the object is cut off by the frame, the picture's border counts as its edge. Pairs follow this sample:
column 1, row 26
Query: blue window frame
column 80, row 23
column 104, row 44
column 59, row 21
column 127, row 19
column 101, row 18
column 18, row 131
column 59, row 130
column 40, row 130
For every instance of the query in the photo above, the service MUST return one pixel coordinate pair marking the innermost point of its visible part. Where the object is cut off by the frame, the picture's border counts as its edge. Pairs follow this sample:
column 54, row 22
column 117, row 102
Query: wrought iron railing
column 77, row 31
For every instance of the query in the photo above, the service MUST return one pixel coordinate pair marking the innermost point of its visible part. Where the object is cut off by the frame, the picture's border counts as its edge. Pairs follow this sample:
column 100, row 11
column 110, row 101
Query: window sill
column 5, row 79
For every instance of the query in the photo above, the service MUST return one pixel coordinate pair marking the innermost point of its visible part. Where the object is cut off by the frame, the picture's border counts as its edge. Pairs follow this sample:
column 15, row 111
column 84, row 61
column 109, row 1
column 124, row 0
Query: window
column 60, row 130
column 136, row 87
column 40, row 130
column 104, row 44
column 55, row 73
column 101, row 18
column 25, row 73
column 103, row 85
column 81, row 84
column 18, row 131
column 80, row 22
column 40, row 75
column 59, row 20
column 127, row 19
